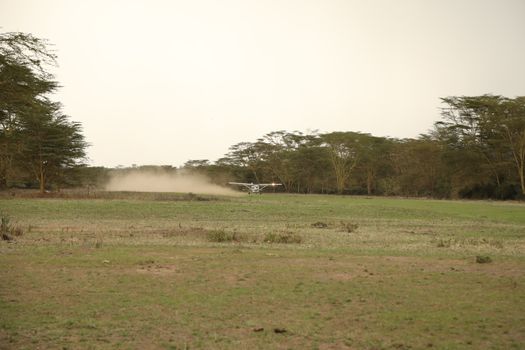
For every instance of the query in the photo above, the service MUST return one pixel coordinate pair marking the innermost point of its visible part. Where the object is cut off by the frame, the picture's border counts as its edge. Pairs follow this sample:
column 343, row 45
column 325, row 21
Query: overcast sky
column 161, row 82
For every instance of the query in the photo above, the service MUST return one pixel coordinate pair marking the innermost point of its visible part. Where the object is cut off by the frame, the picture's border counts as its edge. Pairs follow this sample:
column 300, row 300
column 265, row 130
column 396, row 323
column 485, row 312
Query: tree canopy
column 37, row 141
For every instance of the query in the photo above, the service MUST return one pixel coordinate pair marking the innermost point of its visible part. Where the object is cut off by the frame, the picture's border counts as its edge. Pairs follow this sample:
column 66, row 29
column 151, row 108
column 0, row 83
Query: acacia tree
column 52, row 144
column 249, row 155
column 491, row 127
column 417, row 167
column 468, row 126
column 196, row 164
column 374, row 161
column 34, row 134
column 281, row 155
column 23, row 85
column 512, row 131
column 344, row 149
column 312, row 168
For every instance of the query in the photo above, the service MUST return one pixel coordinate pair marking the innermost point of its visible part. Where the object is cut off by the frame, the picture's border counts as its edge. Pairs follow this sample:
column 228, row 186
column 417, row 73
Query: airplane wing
column 266, row 185
column 245, row 184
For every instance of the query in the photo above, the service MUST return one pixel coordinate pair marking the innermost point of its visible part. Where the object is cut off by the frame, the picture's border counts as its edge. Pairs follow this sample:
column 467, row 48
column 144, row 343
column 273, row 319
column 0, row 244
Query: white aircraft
column 254, row 188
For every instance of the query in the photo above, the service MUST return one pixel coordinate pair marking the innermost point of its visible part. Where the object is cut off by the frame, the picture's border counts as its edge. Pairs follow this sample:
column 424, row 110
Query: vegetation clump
column 319, row 224
column 349, row 226
column 483, row 259
column 7, row 230
column 465, row 242
column 444, row 243
column 282, row 238
column 98, row 243
column 279, row 330
column 221, row 236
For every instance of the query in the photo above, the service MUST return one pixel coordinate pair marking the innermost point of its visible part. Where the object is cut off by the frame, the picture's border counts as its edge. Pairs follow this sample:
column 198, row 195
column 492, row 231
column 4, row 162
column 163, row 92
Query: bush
column 319, row 224
column 221, row 236
column 7, row 230
column 349, row 226
column 282, row 238
column 483, row 259
column 98, row 243
column 444, row 243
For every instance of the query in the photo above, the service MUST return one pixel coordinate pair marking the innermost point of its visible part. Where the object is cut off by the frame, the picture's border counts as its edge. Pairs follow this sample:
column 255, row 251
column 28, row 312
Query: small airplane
column 254, row 188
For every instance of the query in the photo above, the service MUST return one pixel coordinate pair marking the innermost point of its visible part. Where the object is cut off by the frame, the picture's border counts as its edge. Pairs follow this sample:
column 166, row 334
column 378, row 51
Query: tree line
column 476, row 150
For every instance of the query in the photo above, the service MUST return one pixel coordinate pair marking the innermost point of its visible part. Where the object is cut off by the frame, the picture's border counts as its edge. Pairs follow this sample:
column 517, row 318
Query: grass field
column 269, row 271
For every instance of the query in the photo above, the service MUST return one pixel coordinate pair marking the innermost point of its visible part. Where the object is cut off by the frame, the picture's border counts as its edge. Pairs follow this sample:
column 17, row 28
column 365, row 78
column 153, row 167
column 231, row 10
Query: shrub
column 444, row 243
column 319, row 224
column 349, row 226
column 98, row 243
column 221, row 236
column 483, row 259
column 7, row 230
column 282, row 238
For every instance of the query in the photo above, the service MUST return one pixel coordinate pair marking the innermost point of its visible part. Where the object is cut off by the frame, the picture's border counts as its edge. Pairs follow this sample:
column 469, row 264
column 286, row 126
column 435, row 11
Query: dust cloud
column 154, row 181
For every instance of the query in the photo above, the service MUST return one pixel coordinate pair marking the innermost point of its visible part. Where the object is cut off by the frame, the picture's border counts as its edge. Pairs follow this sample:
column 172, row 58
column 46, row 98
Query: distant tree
column 490, row 127
column 345, row 150
column 312, row 168
column 249, row 155
column 467, row 128
column 196, row 163
column 90, row 177
column 512, row 121
column 280, row 154
column 374, row 161
column 417, row 168
column 217, row 173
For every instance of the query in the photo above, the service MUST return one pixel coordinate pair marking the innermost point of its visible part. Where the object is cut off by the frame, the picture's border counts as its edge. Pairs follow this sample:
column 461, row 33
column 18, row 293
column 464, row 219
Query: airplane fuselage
column 254, row 188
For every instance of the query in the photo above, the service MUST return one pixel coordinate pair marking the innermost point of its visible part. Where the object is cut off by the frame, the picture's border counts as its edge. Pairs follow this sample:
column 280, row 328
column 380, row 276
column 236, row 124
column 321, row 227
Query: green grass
column 169, row 274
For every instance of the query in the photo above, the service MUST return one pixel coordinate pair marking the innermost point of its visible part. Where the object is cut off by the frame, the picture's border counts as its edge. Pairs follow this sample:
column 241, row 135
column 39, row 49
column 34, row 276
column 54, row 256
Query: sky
column 161, row 82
